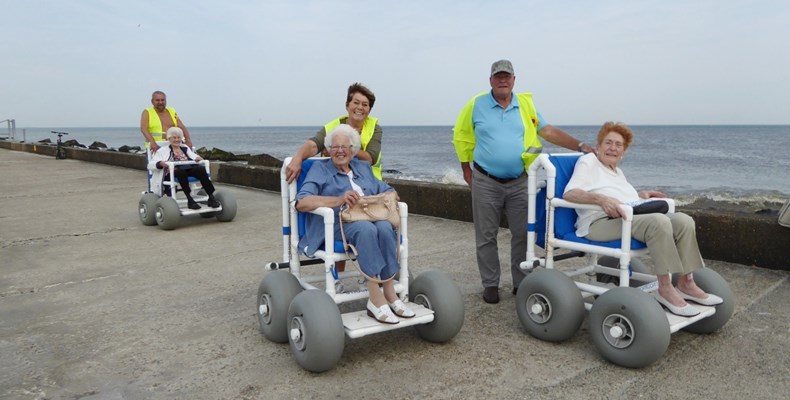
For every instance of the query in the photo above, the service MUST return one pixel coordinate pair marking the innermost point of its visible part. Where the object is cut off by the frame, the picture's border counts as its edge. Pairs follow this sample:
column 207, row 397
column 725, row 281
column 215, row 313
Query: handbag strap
column 353, row 259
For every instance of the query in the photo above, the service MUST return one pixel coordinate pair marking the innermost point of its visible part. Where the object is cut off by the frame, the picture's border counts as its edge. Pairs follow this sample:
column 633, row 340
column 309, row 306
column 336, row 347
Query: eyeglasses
column 608, row 143
column 344, row 148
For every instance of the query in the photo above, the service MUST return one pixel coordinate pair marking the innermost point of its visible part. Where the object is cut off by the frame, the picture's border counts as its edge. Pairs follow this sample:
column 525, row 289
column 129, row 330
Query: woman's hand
column 611, row 207
column 648, row 194
column 293, row 169
column 350, row 198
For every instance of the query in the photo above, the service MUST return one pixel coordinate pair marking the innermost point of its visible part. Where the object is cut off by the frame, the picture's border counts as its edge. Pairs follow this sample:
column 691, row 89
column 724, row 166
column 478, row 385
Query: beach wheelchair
column 293, row 307
column 161, row 205
column 627, row 325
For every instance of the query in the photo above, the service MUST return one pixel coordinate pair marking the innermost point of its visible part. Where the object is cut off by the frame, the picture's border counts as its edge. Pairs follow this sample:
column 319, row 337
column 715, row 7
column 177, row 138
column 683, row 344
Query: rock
column 221, row 155
column 97, row 146
column 73, row 143
column 203, row 152
column 124, row 149
column 45, row 141
column 264, row 160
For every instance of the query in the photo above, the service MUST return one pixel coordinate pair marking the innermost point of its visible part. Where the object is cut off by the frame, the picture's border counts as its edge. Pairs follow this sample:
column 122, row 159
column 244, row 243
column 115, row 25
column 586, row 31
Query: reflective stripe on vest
column 368, row 127
column 532, row 145
column 155, row 124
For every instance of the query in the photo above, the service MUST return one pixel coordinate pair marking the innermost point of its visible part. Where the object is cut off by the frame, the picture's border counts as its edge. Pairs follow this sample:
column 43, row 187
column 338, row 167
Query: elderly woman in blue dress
column 343, row 180
column 671, row 238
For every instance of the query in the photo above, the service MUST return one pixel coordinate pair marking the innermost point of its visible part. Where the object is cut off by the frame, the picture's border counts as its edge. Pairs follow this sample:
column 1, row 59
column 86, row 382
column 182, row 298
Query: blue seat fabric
column 300, row 217
column 565, row 218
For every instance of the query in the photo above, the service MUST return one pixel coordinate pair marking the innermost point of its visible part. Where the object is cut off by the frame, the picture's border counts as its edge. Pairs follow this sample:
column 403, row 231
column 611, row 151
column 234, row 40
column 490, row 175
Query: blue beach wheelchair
column 297, row 301
column 627, row 325
column 161, row 205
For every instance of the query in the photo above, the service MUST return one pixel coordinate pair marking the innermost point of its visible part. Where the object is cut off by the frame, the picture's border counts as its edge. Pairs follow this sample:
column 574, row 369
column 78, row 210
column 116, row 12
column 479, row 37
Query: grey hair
column 175, row 131
column 347, row 131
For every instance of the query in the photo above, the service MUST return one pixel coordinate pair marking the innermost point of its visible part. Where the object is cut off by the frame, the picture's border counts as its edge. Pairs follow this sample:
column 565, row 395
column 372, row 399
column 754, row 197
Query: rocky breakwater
column 213, row 154
column 726, row 232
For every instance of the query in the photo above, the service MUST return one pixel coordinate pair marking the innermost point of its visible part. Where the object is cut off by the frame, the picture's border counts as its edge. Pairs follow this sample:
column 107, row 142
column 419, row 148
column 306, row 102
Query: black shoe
column 491, row 295
column 192, row 205
column 212, row 202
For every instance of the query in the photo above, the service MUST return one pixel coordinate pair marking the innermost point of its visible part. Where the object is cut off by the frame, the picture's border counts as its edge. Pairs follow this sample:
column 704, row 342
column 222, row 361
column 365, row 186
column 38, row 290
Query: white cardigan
column 163, row 154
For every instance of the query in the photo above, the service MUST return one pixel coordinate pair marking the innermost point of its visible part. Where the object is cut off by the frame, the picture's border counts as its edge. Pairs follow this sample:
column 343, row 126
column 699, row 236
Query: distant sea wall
column 744, row 238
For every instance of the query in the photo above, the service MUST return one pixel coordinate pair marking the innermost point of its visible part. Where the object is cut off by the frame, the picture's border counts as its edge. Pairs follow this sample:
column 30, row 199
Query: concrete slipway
column 93, row 305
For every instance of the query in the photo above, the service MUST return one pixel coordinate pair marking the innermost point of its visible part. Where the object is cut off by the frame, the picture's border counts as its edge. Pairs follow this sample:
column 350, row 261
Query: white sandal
column 400, row 309
column 382, row 314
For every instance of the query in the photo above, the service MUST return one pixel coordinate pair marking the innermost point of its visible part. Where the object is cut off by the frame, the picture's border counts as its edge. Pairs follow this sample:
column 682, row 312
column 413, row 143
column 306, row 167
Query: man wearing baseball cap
column 496, row 139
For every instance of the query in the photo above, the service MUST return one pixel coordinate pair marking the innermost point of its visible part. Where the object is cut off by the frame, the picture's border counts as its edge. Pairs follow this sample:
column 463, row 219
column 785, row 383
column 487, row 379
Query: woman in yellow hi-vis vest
column 359, row 102
column 156, row 120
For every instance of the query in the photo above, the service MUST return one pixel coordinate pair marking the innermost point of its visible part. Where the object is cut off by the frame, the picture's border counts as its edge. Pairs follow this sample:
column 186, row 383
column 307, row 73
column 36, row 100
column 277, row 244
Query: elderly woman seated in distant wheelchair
column 176, row 151
column 343, row 180
column 670, row 238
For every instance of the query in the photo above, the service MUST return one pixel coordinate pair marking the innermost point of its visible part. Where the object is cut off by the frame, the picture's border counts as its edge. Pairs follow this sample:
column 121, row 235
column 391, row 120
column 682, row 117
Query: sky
column 90, row 63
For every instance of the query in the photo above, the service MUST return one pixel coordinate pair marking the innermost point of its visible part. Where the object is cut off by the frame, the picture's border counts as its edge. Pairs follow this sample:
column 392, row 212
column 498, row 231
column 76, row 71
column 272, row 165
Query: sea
column 737, row 164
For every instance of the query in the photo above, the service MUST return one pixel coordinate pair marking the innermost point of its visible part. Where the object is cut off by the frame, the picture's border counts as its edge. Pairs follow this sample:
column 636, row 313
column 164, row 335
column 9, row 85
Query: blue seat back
column 301, row 217
column 565, row 218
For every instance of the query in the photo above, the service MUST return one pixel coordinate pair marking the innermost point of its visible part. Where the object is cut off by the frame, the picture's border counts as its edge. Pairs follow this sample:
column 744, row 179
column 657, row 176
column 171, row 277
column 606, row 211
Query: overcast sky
column 70, row 63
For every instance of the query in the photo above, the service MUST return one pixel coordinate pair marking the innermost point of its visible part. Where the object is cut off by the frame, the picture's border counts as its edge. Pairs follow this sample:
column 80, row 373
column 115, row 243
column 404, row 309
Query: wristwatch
column 580, row 145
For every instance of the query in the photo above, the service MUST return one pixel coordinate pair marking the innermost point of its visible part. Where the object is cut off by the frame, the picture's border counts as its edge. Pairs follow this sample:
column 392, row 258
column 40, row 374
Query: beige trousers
column 671, row 239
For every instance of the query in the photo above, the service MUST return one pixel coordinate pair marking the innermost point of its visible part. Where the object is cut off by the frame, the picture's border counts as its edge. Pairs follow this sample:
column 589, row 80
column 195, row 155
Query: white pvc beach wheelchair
column 627, row 325
column 161, row 205
column 292, row 308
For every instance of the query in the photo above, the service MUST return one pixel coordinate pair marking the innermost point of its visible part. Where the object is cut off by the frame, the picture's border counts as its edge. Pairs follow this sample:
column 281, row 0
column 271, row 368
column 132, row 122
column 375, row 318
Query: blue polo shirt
column 499, row 136
column 324, row 179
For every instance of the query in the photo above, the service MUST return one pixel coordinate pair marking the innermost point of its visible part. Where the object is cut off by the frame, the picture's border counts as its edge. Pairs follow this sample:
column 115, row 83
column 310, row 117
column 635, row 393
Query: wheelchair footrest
column 358, row 324
column 676, row 322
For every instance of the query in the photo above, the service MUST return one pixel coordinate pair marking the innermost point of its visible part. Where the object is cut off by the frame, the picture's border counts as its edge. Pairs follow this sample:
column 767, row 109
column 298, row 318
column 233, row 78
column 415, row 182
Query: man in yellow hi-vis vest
column 496, row 138
column 156, row 120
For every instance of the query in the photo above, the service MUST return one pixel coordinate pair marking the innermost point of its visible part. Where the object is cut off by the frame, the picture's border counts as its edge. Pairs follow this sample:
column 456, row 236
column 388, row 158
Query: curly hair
column 617, row 127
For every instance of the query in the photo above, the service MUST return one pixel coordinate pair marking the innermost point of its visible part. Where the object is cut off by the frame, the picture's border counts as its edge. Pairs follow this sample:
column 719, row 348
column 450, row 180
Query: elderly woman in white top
column 671, row 238
column 176, row 151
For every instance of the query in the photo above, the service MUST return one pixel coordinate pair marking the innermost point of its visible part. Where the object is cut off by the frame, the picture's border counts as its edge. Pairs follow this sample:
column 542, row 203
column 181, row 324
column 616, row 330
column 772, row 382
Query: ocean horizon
column 746, row 164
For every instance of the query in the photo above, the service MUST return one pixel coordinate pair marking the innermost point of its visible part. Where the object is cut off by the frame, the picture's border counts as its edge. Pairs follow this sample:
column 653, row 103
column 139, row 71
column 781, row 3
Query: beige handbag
column 379, row 207
column 784, row 215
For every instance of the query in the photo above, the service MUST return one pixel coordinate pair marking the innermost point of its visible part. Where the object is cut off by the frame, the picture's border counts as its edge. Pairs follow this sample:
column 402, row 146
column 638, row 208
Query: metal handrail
column 11, row 128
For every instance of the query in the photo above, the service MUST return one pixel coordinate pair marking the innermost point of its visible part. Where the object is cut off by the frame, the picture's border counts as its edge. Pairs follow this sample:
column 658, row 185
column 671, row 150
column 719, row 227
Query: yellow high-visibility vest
column 155, row 125
column 464, row 132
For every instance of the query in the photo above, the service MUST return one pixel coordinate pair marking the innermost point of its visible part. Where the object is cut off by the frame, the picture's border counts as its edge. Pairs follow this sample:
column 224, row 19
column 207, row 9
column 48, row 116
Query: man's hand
column 154, row 146
column 586, row 148
column 466, row 169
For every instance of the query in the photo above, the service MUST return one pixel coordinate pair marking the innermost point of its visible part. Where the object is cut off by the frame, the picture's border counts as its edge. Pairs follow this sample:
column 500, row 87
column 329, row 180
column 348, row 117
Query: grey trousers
column 489, row 200
column 670, row 238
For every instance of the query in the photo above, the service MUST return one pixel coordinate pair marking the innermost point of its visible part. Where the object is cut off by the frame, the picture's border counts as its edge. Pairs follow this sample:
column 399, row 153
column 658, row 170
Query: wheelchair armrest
column 671, row 204
column 329, row 226
column 628, row 210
